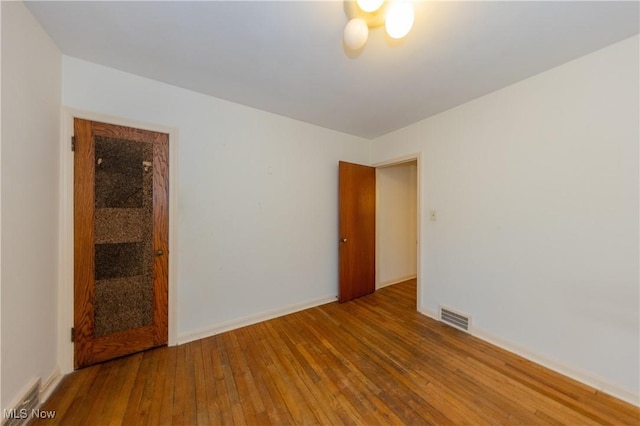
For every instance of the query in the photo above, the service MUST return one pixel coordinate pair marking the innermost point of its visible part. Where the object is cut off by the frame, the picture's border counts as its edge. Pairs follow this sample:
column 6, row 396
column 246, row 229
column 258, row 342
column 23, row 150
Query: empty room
column 320, row 212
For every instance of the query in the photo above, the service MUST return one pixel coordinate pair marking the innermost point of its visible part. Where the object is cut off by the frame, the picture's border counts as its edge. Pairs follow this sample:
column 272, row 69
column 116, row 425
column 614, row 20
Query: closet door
column 121, row 217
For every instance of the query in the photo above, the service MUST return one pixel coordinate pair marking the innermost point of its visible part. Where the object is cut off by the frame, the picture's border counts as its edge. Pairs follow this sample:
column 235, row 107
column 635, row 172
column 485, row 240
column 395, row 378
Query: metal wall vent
column 22, row 414
column 455, row 319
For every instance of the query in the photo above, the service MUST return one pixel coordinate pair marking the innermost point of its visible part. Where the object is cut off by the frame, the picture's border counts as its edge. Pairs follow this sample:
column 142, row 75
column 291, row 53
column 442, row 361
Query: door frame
column 417, row 157
column 65, row 228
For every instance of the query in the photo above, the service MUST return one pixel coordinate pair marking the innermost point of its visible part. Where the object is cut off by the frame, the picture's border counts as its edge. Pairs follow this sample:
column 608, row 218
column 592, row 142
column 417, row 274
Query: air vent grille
column 22, row 414
column 454, row 318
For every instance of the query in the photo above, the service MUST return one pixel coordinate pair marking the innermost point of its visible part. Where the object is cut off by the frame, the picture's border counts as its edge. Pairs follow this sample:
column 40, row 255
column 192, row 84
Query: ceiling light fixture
column 400, row 17
column 397, row 16
column 369, row 5
column 356, row 33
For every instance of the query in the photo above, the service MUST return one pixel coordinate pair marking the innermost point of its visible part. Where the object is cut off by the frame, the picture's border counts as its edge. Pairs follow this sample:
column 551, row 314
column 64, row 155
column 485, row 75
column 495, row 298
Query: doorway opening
column 379, row 226
column 397, row 223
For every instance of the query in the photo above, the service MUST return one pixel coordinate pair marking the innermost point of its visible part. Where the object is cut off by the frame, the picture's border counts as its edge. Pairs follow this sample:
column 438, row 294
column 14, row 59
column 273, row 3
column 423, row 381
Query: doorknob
column 343, row 240
column 159, row 252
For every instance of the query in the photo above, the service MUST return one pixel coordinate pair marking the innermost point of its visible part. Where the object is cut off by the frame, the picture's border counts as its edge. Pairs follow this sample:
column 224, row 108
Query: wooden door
column 121, row 218
column 357, row 228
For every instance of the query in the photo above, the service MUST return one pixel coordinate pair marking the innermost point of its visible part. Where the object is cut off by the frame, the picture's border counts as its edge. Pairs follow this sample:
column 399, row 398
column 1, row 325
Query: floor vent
column 22, row 413
column 454, row 318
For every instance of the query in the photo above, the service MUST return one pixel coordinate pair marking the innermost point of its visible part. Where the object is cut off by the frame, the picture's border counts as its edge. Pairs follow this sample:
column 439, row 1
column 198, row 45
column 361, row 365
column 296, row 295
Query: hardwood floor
column 374, row 360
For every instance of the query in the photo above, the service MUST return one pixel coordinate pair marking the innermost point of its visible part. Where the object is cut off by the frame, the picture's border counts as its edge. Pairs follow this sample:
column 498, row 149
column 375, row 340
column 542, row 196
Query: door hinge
column 73, row 143
column 73, row 334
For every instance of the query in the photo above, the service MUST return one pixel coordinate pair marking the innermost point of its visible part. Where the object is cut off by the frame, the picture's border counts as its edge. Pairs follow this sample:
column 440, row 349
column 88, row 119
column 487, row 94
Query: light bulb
column 356, row 33
column 399, row 20
column 369, row 5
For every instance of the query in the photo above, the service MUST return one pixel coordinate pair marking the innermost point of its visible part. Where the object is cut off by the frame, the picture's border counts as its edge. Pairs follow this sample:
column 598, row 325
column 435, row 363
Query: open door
column 357, row 229
column 121, row 218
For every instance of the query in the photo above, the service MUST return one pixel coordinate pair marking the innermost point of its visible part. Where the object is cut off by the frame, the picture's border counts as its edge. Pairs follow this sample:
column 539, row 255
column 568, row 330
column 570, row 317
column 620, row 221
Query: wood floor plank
column 218, row 356
column 252, row 406
column 363, row 369
column 143, row 390
column 288, row 383
column 371, row 361
column 211, row 403
column 352, row 382
column 277, row 412
column 112, row 377
column 184, row 407
column 117, row 406
column 161, row 412
column 71, row 389
column 202, row 413
column 81, row 406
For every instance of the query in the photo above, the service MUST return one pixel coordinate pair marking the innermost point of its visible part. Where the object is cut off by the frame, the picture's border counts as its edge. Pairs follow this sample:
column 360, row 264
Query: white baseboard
column 250, row 320
column 588, row 379
column 49, row 385
column 431, row 314
column 395, row 281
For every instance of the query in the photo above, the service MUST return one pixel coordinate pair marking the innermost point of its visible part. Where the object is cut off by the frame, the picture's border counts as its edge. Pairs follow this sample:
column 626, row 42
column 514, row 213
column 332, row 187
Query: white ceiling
column 287, row 57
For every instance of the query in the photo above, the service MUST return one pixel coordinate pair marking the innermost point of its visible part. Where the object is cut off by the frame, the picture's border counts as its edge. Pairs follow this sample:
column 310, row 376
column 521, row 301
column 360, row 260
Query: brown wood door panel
column 120, row 344
column 357, row 222
column 90, row 348
column 161, row 239
column 84, row 264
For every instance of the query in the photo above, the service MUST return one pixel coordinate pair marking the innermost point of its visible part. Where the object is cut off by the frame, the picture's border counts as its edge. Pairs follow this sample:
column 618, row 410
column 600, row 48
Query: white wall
column 536, row 188
column 257, row 213
column 31, row 95
column 396, row 227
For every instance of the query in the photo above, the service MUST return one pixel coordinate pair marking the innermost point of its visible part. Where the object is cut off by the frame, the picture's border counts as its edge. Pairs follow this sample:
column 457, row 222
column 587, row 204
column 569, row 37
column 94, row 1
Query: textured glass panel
column 119, row 173
column 123, row 235
column 122, row 304
column 118, row 260
column 119, row 225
